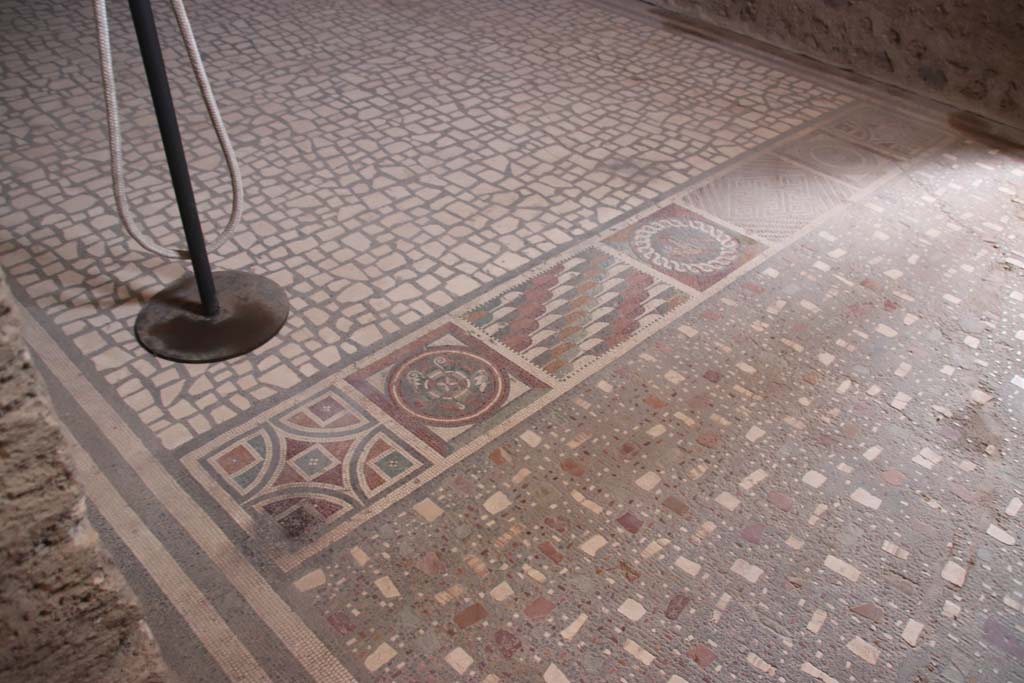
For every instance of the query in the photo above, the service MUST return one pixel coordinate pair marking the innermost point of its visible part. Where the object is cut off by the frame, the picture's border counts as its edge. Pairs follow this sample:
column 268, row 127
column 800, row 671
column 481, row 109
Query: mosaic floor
column 616, row 354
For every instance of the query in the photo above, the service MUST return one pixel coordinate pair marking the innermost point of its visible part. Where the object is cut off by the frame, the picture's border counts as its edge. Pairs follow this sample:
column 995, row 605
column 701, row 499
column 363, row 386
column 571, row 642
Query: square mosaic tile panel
column 846, row 161
column 685, row 246
column 889, row 132
column 769, row 197
column 562, row 318
column 309, row 466
column 446, row 387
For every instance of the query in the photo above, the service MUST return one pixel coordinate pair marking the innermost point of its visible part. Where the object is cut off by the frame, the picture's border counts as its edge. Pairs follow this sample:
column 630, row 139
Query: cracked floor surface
column 616, row 354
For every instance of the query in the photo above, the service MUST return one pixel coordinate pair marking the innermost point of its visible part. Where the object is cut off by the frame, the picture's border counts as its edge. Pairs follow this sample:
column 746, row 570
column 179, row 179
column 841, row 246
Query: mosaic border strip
column 289, row 561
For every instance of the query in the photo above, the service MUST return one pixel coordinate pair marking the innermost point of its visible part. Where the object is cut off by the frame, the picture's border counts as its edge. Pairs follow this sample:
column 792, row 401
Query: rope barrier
column 114, row 132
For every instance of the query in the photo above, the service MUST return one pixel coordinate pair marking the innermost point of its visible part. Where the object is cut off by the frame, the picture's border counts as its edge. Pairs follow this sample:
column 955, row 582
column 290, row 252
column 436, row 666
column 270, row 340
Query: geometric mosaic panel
column 572, row 313
column 446, row 387
column 685, row 246
column 885, row 131
column 312, row 465
column 769, row 197
column 838, row 158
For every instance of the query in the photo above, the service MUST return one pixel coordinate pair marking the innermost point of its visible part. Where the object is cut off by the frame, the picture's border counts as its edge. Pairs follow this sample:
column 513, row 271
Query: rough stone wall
column 969, row 53
column 65, row 613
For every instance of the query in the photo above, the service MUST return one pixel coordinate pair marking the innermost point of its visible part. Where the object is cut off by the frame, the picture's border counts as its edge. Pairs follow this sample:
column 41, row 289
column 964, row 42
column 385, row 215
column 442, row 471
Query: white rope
column 114, row 132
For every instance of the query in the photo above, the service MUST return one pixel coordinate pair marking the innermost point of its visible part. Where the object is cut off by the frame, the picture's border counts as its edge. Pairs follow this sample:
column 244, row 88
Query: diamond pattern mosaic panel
column 311, row 466
column 685, row 246
column 446, row 387
column 769, row 197
column 562, row 318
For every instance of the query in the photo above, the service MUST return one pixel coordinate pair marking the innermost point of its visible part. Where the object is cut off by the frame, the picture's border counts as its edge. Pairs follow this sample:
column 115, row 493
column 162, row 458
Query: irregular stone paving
column 398, row 159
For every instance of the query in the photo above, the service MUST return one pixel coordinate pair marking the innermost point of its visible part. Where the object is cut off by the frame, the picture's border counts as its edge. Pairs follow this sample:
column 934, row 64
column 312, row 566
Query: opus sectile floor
column 615, row 355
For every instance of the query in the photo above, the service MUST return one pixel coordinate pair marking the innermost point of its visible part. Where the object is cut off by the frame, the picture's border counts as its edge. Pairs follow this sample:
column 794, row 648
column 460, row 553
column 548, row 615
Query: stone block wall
column 65, row 613
column 969, row 53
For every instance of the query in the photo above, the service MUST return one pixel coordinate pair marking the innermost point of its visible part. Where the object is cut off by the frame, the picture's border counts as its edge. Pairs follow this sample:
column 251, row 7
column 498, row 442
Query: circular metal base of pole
column 252, row 310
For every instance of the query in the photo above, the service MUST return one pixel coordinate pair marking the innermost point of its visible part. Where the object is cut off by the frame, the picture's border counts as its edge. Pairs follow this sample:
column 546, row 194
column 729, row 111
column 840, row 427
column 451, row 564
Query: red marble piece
column 780, row 500
column 825, row 440
column 628, row 449
column 551, row 551
column 873, row 285
column 628, row 571
column 630, row 522
column 893, row 477
column 676, row 604
column 713, row 376
column 703, row 655
column 471, row 615
column 708, row 439
column 862, row 407
column 699, row 402
column 508, row 643
column 655, row 402
column 462, row 485
column 573, row 467
column 868, row 610
column 964, row 493
column 752, row 532
column 498, row 456
column 539, row 608
column 676, row 505
column 557, row 522
column 430, row 564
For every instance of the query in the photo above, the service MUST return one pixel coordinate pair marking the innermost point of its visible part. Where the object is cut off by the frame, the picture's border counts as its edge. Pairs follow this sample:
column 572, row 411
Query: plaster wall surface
column 969, row 53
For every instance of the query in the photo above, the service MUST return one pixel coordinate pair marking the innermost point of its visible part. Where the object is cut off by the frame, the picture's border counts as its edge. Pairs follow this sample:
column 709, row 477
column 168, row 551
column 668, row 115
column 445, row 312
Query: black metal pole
column 149, row 43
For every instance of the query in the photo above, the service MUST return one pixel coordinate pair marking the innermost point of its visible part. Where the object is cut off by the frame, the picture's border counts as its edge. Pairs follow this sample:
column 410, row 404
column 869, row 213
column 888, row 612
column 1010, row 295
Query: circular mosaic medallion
column 448, row 386
column 685, row 245
column 844, row 158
